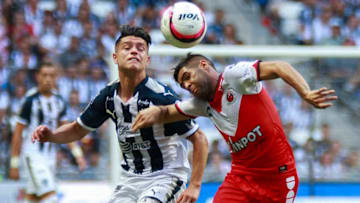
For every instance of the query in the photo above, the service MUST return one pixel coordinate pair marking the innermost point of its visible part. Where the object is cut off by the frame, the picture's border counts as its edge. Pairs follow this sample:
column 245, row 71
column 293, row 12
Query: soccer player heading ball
column 263, row 165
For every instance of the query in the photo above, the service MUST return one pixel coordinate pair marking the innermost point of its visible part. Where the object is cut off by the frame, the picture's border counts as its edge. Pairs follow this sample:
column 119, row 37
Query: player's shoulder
column 110, row 88
column 158, row 91
column 31, row 94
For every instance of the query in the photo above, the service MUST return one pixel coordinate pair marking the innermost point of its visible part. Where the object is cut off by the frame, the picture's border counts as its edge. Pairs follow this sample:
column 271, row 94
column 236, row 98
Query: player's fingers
column 324, row 105
column 180, row 199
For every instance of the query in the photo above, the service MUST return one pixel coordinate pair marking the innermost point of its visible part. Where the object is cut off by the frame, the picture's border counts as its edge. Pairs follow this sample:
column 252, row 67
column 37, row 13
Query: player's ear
column 148, row 60
column 114, row 58
column 203, row 64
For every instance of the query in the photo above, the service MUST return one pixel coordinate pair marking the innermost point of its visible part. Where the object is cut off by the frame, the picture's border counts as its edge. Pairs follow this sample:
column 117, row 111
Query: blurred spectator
column 19, row 29
column 124, row 12
column 72, row 54
column 88, row 42
column 326, row 168
column 55, row 42
column 98, row 81
column 24, row 56
column 217, row 168
column 47, row 25
column 4, row 73
column 74, row 106
column 215, row 32
column 230, row 35
column 4, row 40
column 82, row 82
column 336, row 37
column 20, row 91
column 111, row 32
column 33, row 15
column 352, row 165
column 324, row 140
column 61, row 11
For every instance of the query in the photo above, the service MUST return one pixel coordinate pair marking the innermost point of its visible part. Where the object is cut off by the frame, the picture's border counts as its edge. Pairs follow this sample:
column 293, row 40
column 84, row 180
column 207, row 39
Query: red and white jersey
column 248, row 120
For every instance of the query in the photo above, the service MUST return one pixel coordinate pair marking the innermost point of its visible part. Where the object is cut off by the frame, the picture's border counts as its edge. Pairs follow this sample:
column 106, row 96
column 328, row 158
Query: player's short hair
column 127, row 30
column 188, row 60
column 45, row 64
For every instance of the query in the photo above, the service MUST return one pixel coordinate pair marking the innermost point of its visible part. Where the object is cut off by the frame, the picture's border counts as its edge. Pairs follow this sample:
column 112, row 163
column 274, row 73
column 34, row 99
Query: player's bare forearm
column 319, row 98
column 65, row 134
column 68, row 133
column 157, row 114
column 17, row 140
column 276, row 69
column 199, row 157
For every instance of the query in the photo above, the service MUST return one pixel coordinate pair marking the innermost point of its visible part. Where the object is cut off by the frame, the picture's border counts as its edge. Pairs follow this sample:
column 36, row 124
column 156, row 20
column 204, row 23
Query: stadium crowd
column 80, row 42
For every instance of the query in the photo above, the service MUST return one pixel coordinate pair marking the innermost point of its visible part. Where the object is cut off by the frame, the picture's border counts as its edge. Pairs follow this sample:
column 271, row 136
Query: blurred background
column 79, row 36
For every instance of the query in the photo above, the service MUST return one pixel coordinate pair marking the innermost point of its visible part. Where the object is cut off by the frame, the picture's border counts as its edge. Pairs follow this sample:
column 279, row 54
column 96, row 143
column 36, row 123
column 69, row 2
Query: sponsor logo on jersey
column 243, row 142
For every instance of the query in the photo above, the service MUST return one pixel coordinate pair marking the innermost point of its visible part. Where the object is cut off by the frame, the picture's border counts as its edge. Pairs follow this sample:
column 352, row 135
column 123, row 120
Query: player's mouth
column 134, row 59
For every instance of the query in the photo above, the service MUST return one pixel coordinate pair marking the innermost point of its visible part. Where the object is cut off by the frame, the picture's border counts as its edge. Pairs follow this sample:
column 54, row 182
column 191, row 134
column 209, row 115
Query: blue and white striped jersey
column 36, row 110
column 157, row 148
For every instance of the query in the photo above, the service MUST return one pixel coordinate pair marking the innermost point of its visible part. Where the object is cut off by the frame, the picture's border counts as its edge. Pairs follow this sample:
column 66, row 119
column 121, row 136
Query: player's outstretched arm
column 157, row 114
column 64, row 134
column 15, row 151
column 319, row 98
column 199, row 159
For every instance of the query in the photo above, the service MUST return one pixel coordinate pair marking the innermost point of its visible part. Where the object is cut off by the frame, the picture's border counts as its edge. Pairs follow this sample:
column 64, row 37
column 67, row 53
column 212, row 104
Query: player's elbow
column 199, row 139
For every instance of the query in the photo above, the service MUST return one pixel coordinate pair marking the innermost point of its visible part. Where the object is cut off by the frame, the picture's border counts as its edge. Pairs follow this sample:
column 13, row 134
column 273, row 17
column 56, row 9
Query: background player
column 155, row 165
column 41, row 106
column 263, row 165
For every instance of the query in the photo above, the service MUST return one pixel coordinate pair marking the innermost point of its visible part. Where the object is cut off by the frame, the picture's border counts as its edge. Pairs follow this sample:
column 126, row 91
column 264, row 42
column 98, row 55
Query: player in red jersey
column 263, row 165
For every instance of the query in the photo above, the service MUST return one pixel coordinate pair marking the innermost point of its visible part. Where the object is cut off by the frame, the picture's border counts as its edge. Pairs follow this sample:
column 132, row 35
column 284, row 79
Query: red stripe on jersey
column 180, row 111
column 256, row 65
column 216, row 102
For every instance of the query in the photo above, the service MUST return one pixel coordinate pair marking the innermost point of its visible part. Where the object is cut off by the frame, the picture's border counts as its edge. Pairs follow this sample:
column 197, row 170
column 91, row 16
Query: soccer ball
column 183, row 24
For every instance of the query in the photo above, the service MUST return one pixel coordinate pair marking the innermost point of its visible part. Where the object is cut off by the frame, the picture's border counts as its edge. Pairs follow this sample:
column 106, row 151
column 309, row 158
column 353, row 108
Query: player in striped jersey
column 155, row 164
column 41, row 106
column 263, row 165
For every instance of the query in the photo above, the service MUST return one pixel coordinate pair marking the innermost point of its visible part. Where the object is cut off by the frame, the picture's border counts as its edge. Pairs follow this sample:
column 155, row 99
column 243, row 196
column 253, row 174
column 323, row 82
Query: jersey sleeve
column 95, row 113
column 192, row 107
column 244, row 77
column 25, row 111
column 181, row 128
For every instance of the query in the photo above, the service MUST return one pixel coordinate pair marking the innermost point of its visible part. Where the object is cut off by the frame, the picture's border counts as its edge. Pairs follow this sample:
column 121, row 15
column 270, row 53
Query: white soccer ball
column 183, row 24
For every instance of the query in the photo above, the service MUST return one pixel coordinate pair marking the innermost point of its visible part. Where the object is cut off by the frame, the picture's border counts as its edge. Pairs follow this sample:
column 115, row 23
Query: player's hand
column 191, row 194
column 41, row 134
column 14, row 173
column 81, row 162
column 146, row 118
column 320, row 98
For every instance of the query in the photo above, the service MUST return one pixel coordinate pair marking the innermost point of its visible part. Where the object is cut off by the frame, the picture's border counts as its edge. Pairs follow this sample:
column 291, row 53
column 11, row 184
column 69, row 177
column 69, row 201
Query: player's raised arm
column 64, row 134
column 319, row 98
column 157, row 114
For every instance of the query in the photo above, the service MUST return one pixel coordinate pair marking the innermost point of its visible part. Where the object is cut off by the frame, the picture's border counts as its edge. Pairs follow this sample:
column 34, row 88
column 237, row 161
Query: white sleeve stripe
column 180, row 111
column 85, row 126
column 191, row 131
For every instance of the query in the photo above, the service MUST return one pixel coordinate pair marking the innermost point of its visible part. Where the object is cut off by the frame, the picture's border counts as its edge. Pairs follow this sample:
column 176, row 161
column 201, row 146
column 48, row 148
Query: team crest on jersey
column 230, row 96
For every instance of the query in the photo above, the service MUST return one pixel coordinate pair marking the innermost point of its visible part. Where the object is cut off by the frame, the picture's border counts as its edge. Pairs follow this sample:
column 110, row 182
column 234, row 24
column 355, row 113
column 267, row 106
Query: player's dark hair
column 187, row 60
column 45, row 64
column 127, row 30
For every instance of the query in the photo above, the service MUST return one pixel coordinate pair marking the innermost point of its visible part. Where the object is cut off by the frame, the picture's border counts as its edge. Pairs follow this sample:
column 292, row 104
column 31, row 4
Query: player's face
column 131, row 54
column 46, row 79
column 197, row 81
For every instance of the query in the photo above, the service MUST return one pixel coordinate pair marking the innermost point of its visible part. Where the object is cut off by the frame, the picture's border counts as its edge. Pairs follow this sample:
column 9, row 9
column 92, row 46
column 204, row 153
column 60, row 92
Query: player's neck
column 129, row 82
column 46, row 94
